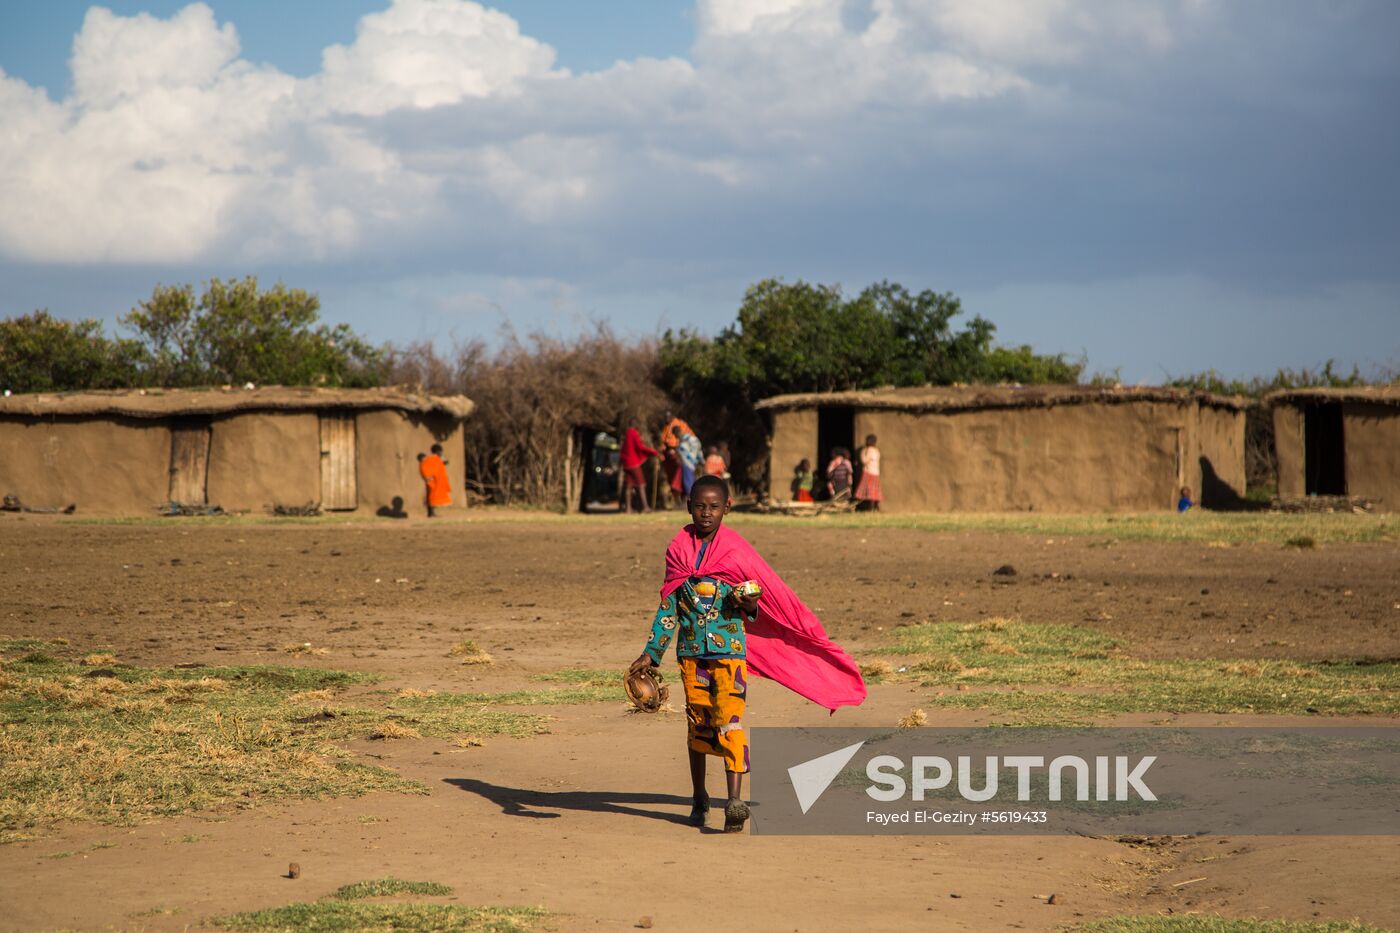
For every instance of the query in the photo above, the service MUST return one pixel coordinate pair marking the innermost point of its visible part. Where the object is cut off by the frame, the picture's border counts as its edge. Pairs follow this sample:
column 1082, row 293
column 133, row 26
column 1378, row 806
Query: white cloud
column 441, row 122
column 427, row 53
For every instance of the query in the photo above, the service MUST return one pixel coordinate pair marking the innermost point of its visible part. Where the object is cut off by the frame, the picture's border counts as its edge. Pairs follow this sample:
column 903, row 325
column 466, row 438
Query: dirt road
column 586, row 821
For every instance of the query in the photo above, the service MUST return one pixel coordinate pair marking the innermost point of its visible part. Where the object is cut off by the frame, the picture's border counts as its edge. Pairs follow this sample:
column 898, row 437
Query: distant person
column 723, row 447
column 631, row 456
column 678, row 436
column 802, row 481
column 1184, row 503
column 839, row 473
column 714, row 463
column 433, row 469
column 868, row 489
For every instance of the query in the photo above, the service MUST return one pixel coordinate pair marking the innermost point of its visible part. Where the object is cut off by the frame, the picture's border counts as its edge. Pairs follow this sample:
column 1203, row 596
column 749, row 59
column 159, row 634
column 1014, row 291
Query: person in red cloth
column 724, row 632
column 633, row 453
column 433, row 469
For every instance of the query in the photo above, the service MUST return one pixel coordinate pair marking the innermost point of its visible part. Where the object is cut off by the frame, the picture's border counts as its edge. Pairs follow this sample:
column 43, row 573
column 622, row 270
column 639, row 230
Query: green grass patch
column 1196, row 525
column 388, row 887
column 1219, row 925
column 145, row 743
column 337, row 916
column 583, row 677
column 482, row 702
column 1051, row 674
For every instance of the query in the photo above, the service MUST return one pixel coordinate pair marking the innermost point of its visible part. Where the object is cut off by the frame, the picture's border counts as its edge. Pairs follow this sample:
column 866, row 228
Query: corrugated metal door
column 338, row 461
column 189, row 462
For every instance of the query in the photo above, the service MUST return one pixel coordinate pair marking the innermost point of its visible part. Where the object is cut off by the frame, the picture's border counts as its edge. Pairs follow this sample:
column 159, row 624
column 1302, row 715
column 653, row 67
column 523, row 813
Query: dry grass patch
column 913, row 719
column 468, row 652
column 146, row 743
column 389, row 729
column 98, row 659
column 1030, row 665
column 875, row 670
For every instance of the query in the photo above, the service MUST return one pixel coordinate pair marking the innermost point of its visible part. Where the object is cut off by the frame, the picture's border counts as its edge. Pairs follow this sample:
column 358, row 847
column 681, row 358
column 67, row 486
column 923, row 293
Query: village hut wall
column 388, row 443
column 263, row 458
column 1369, row 441
column 115, row 453
column 118, row 465
column 1042, row 449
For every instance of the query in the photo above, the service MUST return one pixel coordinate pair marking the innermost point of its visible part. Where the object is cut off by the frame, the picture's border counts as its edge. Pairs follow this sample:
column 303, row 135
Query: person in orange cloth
column 433, row 469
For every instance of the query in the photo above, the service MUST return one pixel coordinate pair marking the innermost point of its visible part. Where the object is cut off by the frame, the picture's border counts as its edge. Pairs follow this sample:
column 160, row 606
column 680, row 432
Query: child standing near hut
column 802, row 481
column 868, row 490
column 722, row 634
column 433, row 469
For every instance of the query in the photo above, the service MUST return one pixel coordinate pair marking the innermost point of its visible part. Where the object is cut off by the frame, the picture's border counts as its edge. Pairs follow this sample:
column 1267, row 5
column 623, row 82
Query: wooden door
column 338, row 490
column 189, row 462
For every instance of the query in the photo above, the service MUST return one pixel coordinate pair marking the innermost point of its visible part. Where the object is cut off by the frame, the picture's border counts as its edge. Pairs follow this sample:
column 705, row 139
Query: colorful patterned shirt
column 702, row 618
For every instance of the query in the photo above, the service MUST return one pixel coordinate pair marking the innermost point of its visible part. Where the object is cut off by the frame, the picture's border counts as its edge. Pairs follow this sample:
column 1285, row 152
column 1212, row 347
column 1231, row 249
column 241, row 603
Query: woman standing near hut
column 839, row 473
column 868, row 490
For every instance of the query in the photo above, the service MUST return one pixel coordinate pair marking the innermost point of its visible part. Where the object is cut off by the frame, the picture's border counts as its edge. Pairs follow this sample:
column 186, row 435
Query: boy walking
column 722, row 633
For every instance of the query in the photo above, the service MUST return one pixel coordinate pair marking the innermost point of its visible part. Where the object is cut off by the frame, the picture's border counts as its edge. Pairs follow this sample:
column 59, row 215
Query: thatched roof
column 1375, row 395
column 965, row 398
column 166, row 403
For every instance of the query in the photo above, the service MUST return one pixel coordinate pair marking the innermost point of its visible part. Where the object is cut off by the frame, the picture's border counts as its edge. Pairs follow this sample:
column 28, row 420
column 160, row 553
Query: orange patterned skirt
column 715, row 693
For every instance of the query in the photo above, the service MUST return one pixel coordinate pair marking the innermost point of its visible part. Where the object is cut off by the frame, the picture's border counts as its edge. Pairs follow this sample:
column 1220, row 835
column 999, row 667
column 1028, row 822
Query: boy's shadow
column 516, row 801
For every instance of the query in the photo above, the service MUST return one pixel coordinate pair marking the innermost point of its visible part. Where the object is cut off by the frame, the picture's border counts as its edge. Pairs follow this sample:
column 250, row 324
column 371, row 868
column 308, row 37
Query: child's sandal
column 736, row 814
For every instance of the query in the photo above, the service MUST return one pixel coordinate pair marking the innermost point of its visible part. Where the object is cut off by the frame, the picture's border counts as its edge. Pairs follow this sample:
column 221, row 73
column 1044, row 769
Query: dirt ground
column 586, row 821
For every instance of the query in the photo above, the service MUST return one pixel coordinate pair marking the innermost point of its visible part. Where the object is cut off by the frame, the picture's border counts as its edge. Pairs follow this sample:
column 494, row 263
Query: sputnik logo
column 811, row 778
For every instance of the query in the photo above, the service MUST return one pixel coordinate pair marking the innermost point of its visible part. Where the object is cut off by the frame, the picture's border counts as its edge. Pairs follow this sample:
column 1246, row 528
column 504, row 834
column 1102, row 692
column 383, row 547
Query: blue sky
column 1160, row 186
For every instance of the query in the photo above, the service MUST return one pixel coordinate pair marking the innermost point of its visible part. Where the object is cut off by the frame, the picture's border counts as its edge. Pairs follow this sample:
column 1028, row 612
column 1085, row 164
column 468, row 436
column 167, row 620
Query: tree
column 800, row 337
column 40, row 353
column 237, row 333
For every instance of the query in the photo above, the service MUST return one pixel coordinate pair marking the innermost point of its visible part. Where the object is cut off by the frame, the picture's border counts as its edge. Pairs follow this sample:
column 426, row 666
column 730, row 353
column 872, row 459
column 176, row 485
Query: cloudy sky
column 1163, row 186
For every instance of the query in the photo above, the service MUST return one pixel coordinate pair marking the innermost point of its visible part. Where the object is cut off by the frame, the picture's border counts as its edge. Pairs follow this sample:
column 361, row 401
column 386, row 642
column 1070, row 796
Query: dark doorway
column 1324, row 451
column 836, row 427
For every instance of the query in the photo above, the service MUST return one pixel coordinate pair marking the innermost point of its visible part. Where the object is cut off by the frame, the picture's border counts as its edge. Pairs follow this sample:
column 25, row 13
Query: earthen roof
column 1376, row 395
column 164, row 403
column 963, row 398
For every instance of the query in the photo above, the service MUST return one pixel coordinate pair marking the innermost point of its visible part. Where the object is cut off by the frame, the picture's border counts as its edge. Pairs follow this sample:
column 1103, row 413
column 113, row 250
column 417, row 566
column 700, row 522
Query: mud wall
column 1289, row 451
column 262, row 459
column 1215, row 468
column 387, row 446
column 103, row 466
column 1069, row 458
column 794, row 438
column 1372, row 434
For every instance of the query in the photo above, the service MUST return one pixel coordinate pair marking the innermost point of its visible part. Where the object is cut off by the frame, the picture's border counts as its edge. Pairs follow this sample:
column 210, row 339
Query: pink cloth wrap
column 786, row 642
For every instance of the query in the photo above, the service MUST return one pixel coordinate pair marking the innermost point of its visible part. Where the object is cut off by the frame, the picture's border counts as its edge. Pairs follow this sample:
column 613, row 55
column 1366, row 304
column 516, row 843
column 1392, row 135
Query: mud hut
column 128, row 452
column 1338, row 442
column 1010, row 448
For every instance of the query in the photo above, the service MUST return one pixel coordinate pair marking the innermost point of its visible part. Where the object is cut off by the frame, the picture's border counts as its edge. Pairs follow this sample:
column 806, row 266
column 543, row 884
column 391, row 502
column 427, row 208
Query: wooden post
column 569, row 472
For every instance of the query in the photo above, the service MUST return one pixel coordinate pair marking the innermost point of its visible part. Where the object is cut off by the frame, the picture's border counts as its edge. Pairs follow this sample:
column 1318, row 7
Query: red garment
column 786, row 642
column 634, row 451
column 634, row 477
column 868, row 489
column 714, row 465
column 803, row 495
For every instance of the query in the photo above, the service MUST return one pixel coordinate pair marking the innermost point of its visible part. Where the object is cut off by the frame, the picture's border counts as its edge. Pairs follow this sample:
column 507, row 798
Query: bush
column 532, row 395
column 40, row 353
